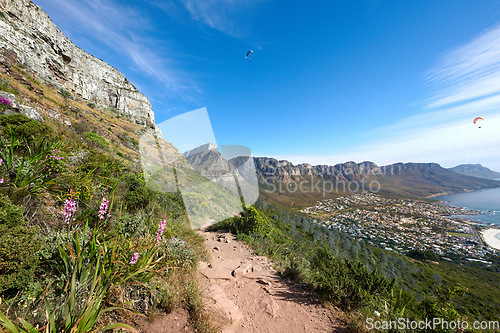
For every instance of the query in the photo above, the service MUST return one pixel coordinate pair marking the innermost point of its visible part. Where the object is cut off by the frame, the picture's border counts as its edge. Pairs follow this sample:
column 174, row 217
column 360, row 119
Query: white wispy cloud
column 467, row 84
column 228, row 16
column 449, row 145
column 124, row 30
column 469, row 72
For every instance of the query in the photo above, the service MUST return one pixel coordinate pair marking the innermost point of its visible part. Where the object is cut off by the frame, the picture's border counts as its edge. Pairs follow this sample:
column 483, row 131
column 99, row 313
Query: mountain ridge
column 476, row 170
column 409, row 179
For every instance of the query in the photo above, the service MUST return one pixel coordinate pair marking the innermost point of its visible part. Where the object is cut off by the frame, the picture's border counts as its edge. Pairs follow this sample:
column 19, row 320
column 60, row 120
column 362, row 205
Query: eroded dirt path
column 247, row 295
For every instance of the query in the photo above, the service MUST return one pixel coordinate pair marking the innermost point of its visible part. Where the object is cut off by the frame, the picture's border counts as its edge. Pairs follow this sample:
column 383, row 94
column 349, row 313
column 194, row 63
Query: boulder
column 22, row 109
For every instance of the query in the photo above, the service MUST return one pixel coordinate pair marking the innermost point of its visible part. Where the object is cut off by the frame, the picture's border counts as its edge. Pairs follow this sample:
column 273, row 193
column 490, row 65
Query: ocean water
column 486, row 201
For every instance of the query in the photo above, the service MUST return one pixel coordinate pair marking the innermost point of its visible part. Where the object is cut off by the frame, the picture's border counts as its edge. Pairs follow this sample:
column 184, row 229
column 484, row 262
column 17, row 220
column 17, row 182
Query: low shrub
column 98, row 163
column 10, row 215
column 348, row 284
column 23, row 126
column 5, row 86
column 138, row 194
column 19, row 245
column 64, row 93
column 96, row 139
column 129, row 225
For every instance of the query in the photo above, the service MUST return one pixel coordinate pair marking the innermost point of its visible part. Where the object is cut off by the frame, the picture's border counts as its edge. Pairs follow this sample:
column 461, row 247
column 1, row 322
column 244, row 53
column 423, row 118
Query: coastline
column 461, row 191
column 438, row 194
column 490, row 239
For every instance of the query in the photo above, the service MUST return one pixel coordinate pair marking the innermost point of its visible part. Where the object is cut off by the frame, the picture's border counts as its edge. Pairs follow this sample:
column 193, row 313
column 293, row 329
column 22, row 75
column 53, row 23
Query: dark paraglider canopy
column 248, row 53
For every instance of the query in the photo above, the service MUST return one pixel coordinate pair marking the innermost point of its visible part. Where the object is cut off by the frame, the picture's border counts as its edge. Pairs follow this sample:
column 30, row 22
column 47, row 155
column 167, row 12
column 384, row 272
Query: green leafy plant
column 23, row 126
column 5, row 86
column 95, row 139
column 64, row 93
column 25, row 160
column 19, row 245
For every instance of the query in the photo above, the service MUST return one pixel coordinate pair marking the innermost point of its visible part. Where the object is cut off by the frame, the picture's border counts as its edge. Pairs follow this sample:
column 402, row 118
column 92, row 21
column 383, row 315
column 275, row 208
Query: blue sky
column 329, row 81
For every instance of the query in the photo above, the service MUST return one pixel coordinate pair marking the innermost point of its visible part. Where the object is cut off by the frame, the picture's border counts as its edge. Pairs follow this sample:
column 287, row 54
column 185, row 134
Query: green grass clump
column 346, row 283
column 23, row 126
column 5, row 86
column 96, row 139
column 64, row 93
column 19, row 245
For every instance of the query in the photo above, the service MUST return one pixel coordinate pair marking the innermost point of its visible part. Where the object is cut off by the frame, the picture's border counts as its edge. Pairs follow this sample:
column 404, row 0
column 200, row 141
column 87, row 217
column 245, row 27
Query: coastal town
column 403, row 225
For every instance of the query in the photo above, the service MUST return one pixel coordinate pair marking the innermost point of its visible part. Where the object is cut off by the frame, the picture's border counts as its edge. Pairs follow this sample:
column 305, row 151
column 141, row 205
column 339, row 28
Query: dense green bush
column 138, row 194
column 22, row 126
column 348, row 284
column 427, row 255
column 19, row 245
column 129, row 225
column 95, row 139
column 5, row 86
column 64, row 93
column 102, row 164
column 27, row 162
column 10, row 215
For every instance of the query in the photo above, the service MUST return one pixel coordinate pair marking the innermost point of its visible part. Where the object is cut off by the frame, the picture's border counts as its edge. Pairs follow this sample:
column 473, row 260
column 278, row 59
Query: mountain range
column 282, row 178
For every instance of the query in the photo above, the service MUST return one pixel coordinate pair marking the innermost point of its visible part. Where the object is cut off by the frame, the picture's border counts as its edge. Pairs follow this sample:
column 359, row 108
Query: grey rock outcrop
column 22, row 109
column 28, row 37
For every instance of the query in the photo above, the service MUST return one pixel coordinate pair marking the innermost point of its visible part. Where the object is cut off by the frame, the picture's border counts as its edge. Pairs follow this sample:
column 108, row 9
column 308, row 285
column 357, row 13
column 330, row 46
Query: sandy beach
column 490, row 239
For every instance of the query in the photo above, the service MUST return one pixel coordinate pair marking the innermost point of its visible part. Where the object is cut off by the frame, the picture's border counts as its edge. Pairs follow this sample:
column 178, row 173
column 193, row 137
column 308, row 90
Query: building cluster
column 402, row 225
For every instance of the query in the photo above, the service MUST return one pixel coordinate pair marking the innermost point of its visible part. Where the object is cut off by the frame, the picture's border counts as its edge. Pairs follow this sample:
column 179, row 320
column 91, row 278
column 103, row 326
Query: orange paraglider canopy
column 475, row 120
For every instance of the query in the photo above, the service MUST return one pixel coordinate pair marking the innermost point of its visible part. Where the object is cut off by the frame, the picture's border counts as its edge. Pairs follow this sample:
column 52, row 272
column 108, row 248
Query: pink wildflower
column 5, row 101
column 69, row 209
column 134, row 258
column 159, row 232
column 104, row 207
column 1, row 181
column 1, row 161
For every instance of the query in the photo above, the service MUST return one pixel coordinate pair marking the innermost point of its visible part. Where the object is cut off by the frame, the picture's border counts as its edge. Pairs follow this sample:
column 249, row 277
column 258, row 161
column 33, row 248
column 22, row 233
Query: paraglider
column 476, row 120
column 248, row 53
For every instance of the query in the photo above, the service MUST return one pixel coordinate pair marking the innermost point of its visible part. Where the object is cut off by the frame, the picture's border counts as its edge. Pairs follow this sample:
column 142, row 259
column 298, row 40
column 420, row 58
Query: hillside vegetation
column 365, row 281
column 84, row 244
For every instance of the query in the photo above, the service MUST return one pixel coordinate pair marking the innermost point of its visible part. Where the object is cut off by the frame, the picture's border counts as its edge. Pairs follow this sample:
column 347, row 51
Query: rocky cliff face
column 286, row 171
column 28, row 37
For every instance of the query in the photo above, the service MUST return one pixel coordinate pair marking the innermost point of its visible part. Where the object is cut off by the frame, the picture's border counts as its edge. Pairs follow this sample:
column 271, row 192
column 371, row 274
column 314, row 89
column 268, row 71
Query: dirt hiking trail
column 246, row 295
